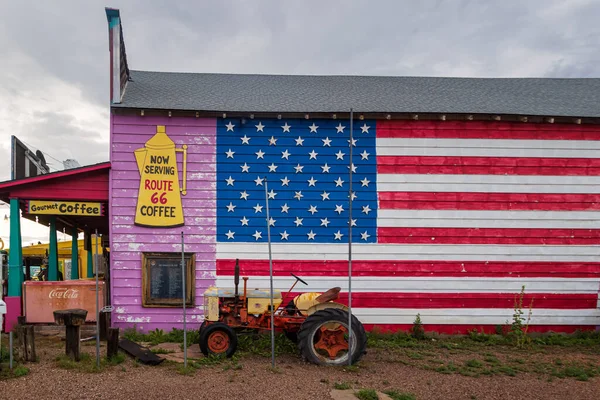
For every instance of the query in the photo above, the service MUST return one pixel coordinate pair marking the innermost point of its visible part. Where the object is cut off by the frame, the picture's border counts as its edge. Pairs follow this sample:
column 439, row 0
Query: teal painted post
column 90, row 259
column 53, row 252
column 15, row 257
column 74, row 254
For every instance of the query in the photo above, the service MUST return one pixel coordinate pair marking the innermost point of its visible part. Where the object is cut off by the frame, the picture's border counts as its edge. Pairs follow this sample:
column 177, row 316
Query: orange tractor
column 314, row 321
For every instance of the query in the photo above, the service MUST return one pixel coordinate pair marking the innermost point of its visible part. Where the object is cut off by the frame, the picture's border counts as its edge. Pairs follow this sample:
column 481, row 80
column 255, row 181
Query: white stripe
column 488, row 148
column 489, row 219
column 487, row 183
column 391, row 284
column 399, row 252
column 484, row 316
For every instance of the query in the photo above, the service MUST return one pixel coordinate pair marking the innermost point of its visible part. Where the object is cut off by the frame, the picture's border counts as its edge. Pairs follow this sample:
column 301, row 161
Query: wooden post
column 72, row 319
column 73, row 338
column 26, row 339
column 104, row 325
column 29, row 346
column 112, row 345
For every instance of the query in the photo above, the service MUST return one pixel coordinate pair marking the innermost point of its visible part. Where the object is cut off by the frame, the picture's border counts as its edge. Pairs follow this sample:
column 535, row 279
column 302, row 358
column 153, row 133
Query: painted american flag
column 450, row 219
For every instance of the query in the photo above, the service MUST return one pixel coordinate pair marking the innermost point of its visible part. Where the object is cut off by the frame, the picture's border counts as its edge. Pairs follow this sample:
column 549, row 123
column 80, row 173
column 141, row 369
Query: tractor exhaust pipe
column 236, row 277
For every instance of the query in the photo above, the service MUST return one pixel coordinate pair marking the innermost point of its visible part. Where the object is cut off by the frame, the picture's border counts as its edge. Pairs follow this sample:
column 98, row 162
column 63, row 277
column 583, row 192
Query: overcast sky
column 54, row 68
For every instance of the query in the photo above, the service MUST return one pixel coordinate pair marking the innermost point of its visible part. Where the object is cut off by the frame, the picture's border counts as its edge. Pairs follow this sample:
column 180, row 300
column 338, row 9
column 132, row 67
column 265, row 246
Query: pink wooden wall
column 128, row 241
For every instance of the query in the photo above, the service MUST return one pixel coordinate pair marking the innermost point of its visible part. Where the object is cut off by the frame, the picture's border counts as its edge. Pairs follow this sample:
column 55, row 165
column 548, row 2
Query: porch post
column 74, row 254
column 53, row 252
column 90, row 260
column 15, row 257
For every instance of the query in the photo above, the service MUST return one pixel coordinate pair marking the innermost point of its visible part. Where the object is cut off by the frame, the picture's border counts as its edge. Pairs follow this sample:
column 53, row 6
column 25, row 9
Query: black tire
column 218, row 339
column 309, row 332
column 200, row 331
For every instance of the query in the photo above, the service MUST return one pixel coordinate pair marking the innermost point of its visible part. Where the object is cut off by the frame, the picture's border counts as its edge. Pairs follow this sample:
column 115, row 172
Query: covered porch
column 70, row 201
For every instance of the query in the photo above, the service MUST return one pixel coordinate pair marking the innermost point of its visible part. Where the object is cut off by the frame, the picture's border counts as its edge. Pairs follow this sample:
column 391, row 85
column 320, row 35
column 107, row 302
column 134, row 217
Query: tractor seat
column 330, row 295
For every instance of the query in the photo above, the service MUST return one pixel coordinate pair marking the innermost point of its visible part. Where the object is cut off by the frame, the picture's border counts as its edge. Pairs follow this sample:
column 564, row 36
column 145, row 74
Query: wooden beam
column 112, row 345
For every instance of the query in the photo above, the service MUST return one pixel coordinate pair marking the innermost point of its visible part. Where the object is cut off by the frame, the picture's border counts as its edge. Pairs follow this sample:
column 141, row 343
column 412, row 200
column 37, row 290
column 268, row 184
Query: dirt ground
column 431, row 371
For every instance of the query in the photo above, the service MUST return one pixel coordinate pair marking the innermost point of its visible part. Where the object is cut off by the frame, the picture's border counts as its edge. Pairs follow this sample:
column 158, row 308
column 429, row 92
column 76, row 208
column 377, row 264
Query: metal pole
column 97, row 305
column 184, row 298
column 270, row 275
column 350, row 245
column 10, row 350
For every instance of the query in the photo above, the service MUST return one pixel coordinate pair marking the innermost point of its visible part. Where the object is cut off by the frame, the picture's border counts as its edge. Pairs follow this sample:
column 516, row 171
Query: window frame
column 148, row 301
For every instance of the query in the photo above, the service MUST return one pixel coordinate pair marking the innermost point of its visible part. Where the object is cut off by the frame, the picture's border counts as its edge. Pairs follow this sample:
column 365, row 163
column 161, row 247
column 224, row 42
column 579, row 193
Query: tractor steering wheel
column 298, row 279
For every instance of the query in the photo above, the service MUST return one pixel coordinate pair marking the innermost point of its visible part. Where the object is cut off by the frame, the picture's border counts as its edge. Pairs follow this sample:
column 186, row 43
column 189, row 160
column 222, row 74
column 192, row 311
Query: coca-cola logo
column 63, row 293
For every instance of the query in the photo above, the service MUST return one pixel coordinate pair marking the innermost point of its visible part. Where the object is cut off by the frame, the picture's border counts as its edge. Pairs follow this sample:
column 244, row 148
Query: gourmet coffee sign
column 159, row 194
column 53, row 207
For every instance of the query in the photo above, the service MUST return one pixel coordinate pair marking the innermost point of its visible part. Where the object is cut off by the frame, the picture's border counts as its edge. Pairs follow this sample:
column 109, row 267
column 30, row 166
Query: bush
column 417, row 331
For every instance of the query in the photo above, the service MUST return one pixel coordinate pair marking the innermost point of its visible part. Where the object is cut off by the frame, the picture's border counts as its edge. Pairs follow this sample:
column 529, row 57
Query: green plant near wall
column 519, row 326
column 417, row 331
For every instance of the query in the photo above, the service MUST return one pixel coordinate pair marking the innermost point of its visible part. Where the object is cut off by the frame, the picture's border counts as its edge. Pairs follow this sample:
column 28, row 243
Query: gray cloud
column 54, row 74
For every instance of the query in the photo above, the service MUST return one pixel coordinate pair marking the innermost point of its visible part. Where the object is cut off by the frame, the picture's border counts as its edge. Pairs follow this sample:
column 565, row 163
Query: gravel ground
column 292, row 379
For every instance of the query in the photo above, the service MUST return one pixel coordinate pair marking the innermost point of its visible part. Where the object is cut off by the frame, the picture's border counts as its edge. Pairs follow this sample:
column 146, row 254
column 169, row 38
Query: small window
column 162, row 279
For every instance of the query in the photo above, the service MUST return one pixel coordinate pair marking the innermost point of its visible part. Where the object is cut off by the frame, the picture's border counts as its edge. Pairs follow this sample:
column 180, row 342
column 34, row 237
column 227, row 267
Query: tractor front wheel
column 218, row 339
column 201, row 330
column 323, row 338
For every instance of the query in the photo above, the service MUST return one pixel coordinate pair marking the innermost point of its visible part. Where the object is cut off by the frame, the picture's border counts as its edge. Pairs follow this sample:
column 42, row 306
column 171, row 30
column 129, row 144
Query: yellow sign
column 159, row 199
column 52, row 207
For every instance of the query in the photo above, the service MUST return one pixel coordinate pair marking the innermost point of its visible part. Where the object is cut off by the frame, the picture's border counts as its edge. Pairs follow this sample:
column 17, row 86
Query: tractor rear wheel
column 323, row 338
column 218, row 339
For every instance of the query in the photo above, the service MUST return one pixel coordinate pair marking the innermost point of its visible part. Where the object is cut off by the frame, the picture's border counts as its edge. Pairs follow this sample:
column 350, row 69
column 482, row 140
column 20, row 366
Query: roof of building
column 381, row 94
column 56, row 174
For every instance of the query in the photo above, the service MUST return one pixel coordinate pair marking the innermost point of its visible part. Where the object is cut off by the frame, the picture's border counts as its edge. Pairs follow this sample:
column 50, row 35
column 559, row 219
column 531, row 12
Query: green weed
column 159, row 336
column 210, row 360
column 20, row 370
column 342, row 386
column 520, row 326
column 260, row 344
column 491, row 359
column 414, row 355
column 473, row 363
column 160, row 350
column 367, row 394
column 449, row 368
column 396, row 395
column 182, row 370
column 507, row 370
column 117, row 359
column 417, row 331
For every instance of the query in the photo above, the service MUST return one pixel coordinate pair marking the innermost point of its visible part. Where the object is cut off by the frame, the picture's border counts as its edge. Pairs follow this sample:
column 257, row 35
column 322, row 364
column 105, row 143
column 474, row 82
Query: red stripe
column 465, row 300
column 485, row 130
column 453, row 329
column 522, row 236
column 491, row 269
column 487, row 165
column 488, row 201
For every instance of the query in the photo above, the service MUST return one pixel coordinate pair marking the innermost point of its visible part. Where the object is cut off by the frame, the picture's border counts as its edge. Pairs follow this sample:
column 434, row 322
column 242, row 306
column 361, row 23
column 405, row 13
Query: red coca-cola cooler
column 41, row 299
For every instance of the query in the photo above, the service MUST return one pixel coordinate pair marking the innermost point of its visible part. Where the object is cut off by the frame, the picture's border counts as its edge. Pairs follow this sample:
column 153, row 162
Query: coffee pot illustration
column 159, row 195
